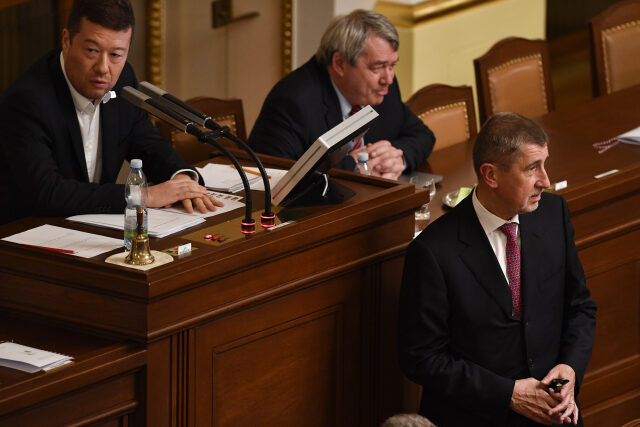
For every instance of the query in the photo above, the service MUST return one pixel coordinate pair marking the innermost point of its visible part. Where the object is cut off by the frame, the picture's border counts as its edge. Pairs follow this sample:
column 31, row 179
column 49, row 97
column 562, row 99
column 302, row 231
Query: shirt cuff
column 194, row 174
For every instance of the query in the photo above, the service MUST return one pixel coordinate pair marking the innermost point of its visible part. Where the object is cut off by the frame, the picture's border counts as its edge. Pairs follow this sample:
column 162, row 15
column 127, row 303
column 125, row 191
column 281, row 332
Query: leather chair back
column 615, row 47
column 448, row 111
column 514, row 75
column 225, row 112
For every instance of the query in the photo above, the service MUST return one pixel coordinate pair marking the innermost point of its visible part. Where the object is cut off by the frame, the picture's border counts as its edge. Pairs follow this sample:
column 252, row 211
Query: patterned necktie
column 359, row 142
column 510, row 229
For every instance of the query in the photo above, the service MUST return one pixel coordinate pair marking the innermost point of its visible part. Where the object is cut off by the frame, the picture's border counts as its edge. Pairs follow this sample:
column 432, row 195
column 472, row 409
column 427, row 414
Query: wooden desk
column 104, row 383
column 606, row 216
column 294, row 326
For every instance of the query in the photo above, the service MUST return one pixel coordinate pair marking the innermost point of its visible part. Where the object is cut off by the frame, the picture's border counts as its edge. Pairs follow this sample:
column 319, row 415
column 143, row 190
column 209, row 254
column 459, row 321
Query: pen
column 251, row 171
column 64, row 251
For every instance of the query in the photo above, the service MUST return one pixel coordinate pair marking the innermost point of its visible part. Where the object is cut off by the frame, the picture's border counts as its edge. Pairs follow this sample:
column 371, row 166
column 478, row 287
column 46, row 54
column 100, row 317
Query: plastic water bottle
column 363, row 163
column 135, row 194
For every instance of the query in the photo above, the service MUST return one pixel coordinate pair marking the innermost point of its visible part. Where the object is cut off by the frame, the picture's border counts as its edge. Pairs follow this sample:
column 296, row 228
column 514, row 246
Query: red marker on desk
column 64, row 251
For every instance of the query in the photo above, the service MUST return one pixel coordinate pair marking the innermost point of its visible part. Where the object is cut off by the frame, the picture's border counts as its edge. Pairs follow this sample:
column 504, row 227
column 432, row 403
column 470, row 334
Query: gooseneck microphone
column 172, row 117
column 186, row 110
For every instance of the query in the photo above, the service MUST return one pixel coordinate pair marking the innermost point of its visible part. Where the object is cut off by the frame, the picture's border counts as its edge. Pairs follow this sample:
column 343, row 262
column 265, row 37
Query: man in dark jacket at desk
column 493, row 304
column 65, row 131
column 352, row 68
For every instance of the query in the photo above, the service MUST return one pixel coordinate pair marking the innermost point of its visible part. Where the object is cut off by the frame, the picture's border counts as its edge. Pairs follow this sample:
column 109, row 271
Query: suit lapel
column 479, row 257
column 68, row 111
column 108, row 126
column 532, row 251
column 330, row 103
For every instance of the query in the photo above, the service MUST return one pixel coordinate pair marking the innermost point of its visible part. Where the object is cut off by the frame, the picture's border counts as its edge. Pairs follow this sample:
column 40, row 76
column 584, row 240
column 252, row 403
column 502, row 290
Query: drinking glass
column 426, row 182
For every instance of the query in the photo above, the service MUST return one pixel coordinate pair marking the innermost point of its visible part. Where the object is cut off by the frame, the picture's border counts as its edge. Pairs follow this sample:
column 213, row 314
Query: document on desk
column 66, row 240
column 29, row 359
column 231, row 202
column 274, row 177
column 161, row 223
column 225, row 178
column 164, row 221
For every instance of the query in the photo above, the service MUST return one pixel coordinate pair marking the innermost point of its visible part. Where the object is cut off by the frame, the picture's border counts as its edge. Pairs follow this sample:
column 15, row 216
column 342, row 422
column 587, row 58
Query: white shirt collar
column 488, row 220
column 80, row 101
column 345, row 106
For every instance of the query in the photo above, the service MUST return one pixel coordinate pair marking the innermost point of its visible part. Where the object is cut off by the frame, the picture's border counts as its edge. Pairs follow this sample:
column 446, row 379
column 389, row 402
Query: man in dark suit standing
column 65, row 131
column 493, row 304
column 352, row 68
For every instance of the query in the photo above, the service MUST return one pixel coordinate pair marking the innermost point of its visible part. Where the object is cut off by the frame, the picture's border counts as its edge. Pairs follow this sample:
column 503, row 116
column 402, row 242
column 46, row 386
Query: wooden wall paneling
column 389, row 394
column 298, row 355
column 160, row 385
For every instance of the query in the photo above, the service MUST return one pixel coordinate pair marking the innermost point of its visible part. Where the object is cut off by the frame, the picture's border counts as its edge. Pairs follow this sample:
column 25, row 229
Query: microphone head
column 134, row 96
column 150, row 89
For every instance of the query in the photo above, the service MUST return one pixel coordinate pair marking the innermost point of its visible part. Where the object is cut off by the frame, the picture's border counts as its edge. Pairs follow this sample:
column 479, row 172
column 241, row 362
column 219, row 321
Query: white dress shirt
column 490, row 224
column 88, row 113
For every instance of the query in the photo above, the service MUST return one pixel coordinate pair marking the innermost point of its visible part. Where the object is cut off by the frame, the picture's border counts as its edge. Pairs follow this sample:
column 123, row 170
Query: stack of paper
column 225, row 178
column 273, row 174
column 66, row 240
column 29, row 359
column 161, row 223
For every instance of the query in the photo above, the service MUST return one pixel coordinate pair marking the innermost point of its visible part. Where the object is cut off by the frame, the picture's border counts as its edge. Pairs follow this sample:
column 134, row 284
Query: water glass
column 426, row 182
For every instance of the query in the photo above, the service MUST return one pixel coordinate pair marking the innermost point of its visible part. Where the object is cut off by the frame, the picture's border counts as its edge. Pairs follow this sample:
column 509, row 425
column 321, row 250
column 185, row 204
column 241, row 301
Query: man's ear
column 66, row 40
column 488, row 173
column 338, row 63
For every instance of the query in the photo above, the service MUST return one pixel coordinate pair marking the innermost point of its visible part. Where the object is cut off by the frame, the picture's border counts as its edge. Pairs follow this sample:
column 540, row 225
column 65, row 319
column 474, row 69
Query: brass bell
column 140, row 251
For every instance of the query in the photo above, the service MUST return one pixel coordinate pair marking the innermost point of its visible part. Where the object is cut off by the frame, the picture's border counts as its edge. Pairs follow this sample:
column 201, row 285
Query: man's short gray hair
column 348, row 34
column 408, row 420
column 501, row 137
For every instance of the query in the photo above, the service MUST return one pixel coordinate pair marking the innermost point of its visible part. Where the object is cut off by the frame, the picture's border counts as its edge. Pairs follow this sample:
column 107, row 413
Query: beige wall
column 241, row 60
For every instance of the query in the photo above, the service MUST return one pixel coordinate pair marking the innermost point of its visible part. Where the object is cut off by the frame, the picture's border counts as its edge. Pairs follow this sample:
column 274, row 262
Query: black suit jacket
column 304, row 105
column 457, row 337
column 42, row 165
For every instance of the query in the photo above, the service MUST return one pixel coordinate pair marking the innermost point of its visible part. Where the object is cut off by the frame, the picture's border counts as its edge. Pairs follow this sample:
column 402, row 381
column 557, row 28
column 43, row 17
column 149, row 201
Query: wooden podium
column 292, row 326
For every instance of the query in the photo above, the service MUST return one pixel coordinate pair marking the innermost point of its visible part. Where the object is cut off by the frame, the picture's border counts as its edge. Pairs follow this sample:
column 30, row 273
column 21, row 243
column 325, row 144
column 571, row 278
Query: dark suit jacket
column 304, row 105
column 42, row 165
column 457, row 337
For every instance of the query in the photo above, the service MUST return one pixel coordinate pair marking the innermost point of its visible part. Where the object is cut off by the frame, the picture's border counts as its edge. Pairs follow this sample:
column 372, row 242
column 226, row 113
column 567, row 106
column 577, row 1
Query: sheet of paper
column 274, row 177
column 85, row 245
column 161, row 222
column 219, row 177
column 231, row 202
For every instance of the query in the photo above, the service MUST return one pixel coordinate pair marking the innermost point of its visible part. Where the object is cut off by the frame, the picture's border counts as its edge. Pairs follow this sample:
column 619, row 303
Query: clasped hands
column 537, row 401
column 385, row 160
column 182, row 188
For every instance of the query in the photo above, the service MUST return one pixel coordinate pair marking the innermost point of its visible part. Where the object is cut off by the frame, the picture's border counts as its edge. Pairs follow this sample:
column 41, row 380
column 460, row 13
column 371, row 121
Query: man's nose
column 101, row 64
column 543, row 179
column 387, row 75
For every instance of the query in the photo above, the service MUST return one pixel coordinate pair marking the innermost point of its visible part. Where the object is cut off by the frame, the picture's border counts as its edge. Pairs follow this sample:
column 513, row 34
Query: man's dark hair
column 112, row 14
column 501, row 137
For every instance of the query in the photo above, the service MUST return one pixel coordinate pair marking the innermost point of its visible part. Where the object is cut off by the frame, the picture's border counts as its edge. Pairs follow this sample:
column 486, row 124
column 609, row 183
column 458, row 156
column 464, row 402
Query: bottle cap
column 363, row 157
column 136, row 163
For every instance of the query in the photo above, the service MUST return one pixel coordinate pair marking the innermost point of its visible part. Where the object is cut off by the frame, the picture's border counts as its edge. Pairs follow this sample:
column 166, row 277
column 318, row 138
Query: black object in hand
column 557, row 383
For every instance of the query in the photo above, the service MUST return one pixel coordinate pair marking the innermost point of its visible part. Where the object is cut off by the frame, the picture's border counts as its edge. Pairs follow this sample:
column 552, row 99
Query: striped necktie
column 510, row 229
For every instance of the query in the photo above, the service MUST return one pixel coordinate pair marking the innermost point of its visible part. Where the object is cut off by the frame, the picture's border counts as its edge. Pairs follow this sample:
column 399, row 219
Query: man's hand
column 384, row 159
column 182, row 188
column 567, row 408
column 530, row 398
